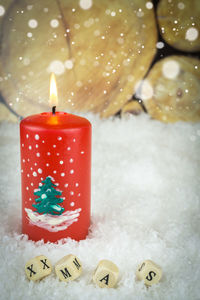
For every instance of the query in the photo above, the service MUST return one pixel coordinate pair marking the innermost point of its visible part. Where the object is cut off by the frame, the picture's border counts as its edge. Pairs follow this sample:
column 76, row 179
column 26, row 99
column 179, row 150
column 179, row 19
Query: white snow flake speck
column 71, row 160
column 171, row 69
column 40, row 171
column 54, row 23
column 160, row 45
column 29, row 34
column 113, row 13
column 72, row 204
column 62, row 174
column 191, row 34
column 37, row 136
column 85, row 4
column 149, row 5
column 38, row 154
column 2, row 10
column 59, row 138
column 71, row 171
column 27, row 136
column 181, row 5
column 68, row 148
column 57, row 67
column 61, row 162
column 30, row 147
column 69, row 64
column 34, row 174
column 32, row 23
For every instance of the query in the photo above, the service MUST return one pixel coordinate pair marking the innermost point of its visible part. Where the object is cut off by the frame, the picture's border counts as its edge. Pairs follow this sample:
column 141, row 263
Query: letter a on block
column 106, row 274
column 106, row 278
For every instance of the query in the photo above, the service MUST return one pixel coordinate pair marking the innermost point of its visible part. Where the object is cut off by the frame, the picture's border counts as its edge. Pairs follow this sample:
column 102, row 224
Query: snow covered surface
column 145, row 205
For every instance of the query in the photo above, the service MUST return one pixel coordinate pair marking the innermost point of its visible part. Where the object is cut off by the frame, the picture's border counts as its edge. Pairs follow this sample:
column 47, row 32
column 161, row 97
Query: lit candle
column 55, row 174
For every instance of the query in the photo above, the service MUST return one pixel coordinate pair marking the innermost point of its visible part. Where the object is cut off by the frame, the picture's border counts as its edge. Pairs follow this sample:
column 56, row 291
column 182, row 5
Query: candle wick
column 54, row 110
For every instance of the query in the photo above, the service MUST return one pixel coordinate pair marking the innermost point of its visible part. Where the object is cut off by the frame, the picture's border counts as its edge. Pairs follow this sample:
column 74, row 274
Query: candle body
column 55, row 176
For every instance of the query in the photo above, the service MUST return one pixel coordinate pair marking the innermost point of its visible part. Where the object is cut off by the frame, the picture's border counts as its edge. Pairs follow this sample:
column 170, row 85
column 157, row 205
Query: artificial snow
column 145, row 205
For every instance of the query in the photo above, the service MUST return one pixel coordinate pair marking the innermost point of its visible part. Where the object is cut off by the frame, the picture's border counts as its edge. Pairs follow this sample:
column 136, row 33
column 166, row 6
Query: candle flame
column 53, row 99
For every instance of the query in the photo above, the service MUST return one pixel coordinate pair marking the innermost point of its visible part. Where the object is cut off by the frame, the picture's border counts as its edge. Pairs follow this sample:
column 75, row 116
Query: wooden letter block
column 106, row 274
column 68, row 268
column 38, row 268
column 149, row 272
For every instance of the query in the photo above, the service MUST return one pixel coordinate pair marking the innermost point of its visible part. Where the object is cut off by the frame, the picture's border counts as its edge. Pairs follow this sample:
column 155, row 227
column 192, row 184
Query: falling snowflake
column 85, row 4
column 29, row 34
column 160, row 45
column 69, row 64
column 149, row 5
column 2, row 10
column 32, row 23
column 181, row 5
column 54, row 23
column 57, row 67
column 171, row 69
column 191, row 34
column 144, row 89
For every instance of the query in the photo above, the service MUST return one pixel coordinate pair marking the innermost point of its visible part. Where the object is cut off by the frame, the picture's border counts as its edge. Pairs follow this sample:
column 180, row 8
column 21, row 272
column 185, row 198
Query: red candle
column 55, row 176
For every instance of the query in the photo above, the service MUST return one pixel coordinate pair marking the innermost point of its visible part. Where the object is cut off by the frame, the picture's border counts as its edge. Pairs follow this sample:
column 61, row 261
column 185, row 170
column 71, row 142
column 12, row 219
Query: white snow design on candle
column 53, row 223
column 47, row 221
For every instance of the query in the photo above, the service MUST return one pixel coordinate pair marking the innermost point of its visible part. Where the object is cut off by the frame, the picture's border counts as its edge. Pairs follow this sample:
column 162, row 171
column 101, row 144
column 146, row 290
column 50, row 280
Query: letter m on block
column 77, row 265
column 65, row 273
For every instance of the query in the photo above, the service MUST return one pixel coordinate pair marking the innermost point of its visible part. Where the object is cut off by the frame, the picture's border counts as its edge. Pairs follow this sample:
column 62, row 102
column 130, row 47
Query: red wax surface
column 58, row 146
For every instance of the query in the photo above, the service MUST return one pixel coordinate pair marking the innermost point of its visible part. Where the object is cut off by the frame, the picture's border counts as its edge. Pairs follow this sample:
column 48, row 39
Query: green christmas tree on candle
column 47, row 203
